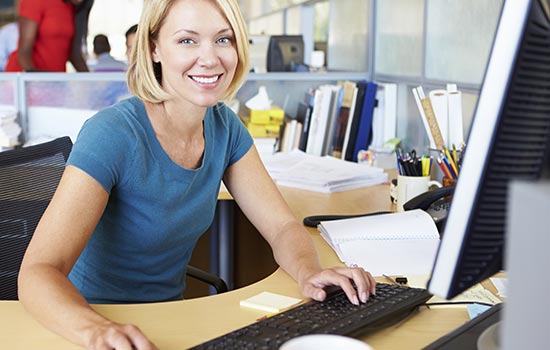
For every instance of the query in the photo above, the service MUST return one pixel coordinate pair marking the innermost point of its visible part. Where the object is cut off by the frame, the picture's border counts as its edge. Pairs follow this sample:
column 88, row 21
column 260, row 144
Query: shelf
column 305, row 76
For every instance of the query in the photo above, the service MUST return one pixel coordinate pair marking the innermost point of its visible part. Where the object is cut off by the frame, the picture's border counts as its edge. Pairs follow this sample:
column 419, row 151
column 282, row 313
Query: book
column 270, row 302
column 318, row 122
column 355, row 118
column 341, row 123
column 365, row 122
column 303, row 114
column 384, row 120
column 332, row 120
column 351, row 113
column 392, row 244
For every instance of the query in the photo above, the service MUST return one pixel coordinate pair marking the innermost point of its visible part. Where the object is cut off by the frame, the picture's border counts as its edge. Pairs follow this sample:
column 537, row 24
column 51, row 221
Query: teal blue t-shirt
column 156, row 211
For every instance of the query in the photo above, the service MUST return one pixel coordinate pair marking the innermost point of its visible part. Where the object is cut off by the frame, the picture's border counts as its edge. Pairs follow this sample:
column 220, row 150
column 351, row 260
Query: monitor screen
column 285, row 53
column 509, row 139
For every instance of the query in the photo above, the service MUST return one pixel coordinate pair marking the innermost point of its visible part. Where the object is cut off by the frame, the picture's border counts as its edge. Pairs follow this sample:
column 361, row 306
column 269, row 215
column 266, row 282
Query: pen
column 444, row 168
column 455, row 155
column 389, row 279
column 452, row 164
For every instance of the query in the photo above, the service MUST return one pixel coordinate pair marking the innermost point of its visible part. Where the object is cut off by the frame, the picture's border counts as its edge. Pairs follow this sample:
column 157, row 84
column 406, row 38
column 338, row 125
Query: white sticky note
column 270, row 302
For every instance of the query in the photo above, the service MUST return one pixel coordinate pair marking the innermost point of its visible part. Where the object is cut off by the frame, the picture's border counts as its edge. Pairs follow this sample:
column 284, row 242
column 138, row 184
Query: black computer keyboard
column 335, row 315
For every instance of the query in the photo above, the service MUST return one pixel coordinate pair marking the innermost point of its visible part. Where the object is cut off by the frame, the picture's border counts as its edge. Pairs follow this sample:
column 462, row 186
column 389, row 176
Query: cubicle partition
column 50, row 105
column 57, row 104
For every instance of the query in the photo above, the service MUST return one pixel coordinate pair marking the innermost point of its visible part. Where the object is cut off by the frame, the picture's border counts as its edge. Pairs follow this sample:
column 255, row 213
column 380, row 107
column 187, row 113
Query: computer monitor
column 285, row 53
column 509, row 139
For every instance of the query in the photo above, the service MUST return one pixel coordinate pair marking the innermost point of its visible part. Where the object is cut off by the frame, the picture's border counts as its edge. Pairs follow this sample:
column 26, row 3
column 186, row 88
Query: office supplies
column 270, row 302
column 401, row 280
column 456, row 128
column 321, row 174
column 408, row 187
column 396, row 280
column 335, row 315
column 432, row 122
column 439, row 100
column 381, row 243
column 418, row 95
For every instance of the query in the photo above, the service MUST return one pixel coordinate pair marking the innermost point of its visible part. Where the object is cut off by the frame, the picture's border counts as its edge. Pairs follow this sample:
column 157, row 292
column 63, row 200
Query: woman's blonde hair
column 144, row 77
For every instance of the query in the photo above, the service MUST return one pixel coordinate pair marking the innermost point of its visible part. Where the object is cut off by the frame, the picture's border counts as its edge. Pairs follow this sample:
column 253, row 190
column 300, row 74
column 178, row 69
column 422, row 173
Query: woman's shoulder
column 127, row 111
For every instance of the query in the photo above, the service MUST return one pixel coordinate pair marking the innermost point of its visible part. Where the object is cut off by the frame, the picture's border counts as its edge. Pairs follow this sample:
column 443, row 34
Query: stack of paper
column 321, row 174
column 9, row 129
column 390, row 244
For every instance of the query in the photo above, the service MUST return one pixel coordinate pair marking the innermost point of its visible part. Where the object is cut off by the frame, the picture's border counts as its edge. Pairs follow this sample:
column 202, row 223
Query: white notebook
column 392, row 244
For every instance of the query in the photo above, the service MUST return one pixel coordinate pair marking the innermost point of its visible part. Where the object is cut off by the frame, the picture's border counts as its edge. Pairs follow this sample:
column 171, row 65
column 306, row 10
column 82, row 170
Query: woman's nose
column 208, row 56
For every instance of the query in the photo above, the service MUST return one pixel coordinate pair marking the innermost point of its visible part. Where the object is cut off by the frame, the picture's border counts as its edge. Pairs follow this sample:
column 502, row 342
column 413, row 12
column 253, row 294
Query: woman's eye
column 224, row 40
column 187, row 41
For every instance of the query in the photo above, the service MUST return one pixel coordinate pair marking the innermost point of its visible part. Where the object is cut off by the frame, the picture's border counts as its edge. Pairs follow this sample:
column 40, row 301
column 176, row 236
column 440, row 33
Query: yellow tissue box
column 263, row 130
column 275, row 115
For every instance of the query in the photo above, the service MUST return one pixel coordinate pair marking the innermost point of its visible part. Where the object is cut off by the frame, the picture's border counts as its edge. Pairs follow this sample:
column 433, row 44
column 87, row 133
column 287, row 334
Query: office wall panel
column 459, row 37
column 398, row 37
column 272, row 24
column 348, row 31
column 7, row 97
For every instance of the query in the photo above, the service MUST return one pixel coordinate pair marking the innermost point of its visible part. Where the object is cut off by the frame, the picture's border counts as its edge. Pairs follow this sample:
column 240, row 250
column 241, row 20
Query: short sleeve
column 102, row 149
column 240, row 141
column 32, row 9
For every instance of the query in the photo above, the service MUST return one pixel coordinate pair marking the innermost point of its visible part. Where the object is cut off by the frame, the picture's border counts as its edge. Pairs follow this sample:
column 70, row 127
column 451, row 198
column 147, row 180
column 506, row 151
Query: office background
column 408, row 42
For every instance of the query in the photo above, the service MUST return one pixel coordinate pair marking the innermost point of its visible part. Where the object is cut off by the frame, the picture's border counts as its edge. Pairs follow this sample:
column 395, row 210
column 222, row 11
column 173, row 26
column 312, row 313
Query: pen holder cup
column 409, row 187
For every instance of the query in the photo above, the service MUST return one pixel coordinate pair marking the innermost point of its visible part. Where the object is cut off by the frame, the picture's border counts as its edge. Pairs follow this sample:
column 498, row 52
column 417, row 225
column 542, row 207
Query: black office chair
column 28, row 179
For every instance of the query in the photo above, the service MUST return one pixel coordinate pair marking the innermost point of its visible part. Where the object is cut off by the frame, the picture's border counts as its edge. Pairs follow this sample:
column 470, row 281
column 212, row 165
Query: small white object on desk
column 324, row 342
column 270, row 302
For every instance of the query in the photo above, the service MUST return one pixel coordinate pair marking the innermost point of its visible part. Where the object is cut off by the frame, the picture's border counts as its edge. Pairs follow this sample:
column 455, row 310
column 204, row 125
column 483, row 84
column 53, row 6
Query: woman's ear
column 154, row 54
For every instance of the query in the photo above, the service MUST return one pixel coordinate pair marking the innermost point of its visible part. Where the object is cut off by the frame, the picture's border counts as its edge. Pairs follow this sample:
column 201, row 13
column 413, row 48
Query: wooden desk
column 180, row 325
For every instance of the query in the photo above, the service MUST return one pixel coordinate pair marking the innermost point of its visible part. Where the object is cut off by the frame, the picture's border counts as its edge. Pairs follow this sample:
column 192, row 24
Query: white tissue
column 260, row 101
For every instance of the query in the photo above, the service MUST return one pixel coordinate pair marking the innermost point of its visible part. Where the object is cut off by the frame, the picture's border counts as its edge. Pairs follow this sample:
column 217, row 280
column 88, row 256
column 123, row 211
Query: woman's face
column 197, row 51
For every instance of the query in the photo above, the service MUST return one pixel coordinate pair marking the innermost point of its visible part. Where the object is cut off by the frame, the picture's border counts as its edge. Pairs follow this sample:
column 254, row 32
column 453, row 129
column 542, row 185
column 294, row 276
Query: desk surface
column 182, row 324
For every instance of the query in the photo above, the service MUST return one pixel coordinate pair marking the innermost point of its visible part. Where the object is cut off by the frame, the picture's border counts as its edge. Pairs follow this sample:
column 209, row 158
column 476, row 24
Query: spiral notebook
column 391, row 244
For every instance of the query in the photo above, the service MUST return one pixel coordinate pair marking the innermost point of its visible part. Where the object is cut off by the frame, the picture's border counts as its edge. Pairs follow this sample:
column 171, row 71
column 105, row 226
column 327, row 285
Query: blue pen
column 446, row 161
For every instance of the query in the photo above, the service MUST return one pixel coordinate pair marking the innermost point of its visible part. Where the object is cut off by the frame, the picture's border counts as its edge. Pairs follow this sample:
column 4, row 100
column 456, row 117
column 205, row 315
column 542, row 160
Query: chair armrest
column 206, row 277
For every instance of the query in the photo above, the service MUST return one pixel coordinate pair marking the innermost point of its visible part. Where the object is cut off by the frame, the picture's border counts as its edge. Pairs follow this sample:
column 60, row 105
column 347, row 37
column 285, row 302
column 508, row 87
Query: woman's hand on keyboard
column 343, row 277
column 113, row 335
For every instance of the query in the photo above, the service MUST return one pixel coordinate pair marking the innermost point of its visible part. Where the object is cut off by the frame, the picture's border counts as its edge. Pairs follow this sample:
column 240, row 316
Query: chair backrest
column 28, row 179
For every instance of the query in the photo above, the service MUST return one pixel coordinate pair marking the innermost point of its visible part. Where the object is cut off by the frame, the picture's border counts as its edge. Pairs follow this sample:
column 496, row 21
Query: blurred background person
column 130, row 38
column 9, row 35
column 46, row 33
column 79, row 47
column 104, row 61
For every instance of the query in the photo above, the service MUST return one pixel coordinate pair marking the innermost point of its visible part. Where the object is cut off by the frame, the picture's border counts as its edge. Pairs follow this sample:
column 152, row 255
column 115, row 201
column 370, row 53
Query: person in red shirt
column 46, row 30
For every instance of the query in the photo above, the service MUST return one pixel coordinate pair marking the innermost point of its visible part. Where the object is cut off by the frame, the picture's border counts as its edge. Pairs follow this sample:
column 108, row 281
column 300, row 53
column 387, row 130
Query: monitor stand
column 490, row 338
column 478, row 331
